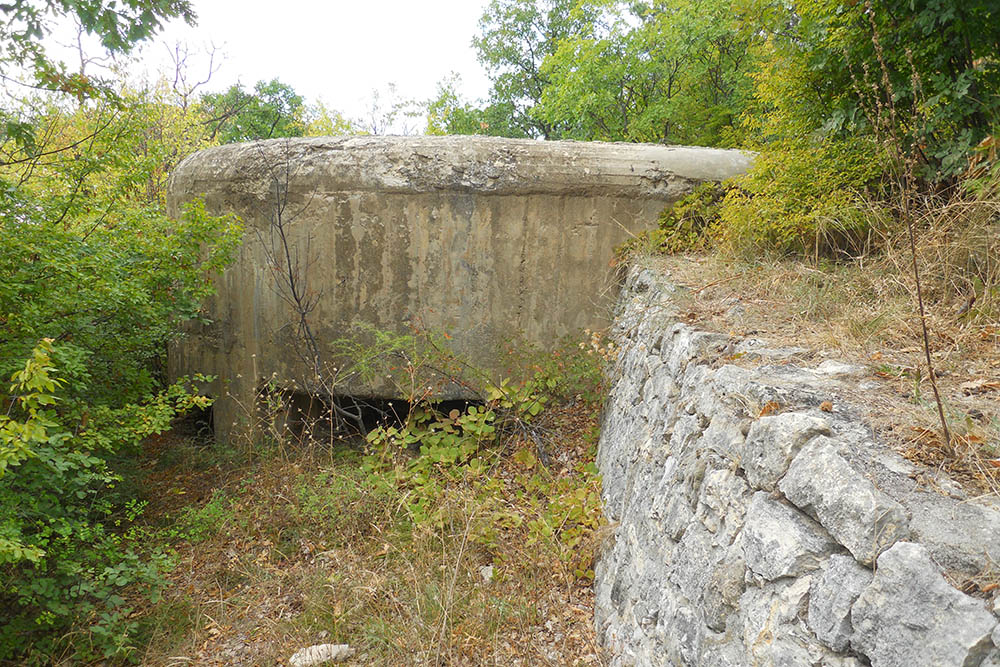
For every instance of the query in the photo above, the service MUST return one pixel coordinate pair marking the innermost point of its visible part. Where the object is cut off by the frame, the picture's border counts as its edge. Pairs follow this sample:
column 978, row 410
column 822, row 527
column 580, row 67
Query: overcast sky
column 336, row 51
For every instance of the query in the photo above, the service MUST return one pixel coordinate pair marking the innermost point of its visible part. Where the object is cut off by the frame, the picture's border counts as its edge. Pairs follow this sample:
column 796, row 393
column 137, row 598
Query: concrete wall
column 790, row 539
column 483, row 239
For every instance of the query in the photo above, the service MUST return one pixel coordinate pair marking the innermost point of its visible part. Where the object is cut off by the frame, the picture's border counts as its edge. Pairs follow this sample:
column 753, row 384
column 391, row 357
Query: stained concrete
column 482, row 239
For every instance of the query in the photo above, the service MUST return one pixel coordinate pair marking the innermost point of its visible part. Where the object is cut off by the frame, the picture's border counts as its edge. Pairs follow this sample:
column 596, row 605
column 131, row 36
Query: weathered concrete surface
column 483, row 239
column 791, row 539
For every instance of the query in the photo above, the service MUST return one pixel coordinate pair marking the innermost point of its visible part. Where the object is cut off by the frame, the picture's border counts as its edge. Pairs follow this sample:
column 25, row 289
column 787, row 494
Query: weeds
column 443, row 537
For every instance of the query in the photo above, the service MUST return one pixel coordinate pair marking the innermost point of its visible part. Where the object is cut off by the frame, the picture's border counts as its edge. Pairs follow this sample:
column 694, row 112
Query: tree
column 516, row 36
column 24, row 25
column 272, row 110
column 322, row 121
column 119, row 24
column 450, row 113
column 669, row 71
column 929, row 67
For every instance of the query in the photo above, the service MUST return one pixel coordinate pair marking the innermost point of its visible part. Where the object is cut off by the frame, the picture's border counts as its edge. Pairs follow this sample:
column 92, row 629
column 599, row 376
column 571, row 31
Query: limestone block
column 722, row 503
column 688, row 632
column 725, row 586
column 725, row 436
column 831, row 596
column 962, row 536
column 724, row 654
column 755, row 349
column 859, row 516
column 684, row 434
column 672, row 512
column 779, row 541
column 773, row 632
column 992, row 659
column 833, row 368
column 657, row 390
column 690, row 568
column 770, row 618
column 911, row 616
column 773, row 442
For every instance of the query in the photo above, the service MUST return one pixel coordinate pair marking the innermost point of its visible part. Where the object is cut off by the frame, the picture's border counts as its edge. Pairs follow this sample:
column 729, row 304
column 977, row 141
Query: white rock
column 321, row 654
column 773, row 442
column 832, row 368
column 831, row 596
column 770, row 618
column 862, row 518
column 992, row 659
column 779, row 541
column 910, row 615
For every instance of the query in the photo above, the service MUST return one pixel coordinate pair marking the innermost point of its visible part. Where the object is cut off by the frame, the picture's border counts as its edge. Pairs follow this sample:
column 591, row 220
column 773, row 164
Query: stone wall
column 482, row 239
column 788, row 539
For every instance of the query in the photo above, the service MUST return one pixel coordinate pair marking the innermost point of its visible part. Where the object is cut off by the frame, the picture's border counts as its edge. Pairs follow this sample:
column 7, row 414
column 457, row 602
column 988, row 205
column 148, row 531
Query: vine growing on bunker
column 289, row 265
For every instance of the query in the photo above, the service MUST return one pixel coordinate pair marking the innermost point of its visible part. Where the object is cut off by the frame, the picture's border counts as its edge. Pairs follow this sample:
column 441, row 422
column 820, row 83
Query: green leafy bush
column 111, row 295
column 433, row 454
column 68, row 553
column 683, row 226
column 803, row 198
column 798, row 198
column 446, row 447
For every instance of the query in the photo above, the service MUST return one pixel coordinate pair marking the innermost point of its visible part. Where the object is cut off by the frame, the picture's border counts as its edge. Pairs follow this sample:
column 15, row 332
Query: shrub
column 683, row 226
column 801, row 198
column 67, row 551
column 797, row 199
column 434, row 456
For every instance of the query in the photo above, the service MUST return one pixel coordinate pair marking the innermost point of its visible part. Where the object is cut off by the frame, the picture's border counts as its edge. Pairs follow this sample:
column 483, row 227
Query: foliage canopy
column 839, row 99
column 94, row 280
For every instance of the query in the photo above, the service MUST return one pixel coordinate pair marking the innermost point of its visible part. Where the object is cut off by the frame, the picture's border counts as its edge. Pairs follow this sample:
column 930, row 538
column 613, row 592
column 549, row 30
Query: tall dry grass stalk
column 906, row 151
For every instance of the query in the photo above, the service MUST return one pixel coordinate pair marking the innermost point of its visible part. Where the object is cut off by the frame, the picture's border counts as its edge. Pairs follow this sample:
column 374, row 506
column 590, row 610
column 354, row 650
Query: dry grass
column 303, row 548
column 864, row 311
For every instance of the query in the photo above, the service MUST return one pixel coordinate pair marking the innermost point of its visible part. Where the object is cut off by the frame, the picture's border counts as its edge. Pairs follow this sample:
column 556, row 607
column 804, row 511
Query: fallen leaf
column 769, row 408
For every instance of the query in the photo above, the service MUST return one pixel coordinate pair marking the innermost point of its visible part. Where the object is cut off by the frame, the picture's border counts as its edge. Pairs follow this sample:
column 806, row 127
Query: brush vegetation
column 458, row 536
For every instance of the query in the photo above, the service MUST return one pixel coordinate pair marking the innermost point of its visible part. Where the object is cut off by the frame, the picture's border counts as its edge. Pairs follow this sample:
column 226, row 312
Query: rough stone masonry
column 482, row 239
column 790, row 539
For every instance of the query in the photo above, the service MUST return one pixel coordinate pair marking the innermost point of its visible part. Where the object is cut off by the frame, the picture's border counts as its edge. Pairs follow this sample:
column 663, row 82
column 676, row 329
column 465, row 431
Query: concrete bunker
column 480, row 238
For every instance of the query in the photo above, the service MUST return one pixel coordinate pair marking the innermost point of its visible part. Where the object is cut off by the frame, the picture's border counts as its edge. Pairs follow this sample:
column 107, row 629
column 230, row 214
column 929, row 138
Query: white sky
column 336, row 51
